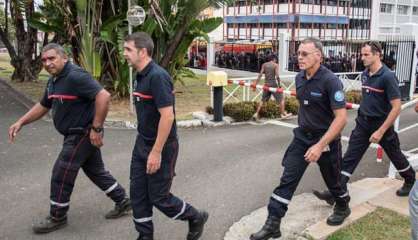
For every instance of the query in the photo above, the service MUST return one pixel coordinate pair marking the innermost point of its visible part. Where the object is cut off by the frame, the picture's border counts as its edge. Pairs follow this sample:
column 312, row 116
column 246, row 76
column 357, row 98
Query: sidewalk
column 306, row 218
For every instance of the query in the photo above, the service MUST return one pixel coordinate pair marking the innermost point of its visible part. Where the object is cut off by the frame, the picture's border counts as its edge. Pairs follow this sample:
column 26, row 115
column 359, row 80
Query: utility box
column 217, row 79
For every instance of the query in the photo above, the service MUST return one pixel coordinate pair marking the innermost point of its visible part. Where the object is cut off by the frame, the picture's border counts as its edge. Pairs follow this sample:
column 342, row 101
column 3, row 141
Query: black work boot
column 145, row 237
column 405, row 189
column 49, row 224
column 120, row 209
column 341, row 212
column 325, row 195
column 196, row 226
column 271, row 229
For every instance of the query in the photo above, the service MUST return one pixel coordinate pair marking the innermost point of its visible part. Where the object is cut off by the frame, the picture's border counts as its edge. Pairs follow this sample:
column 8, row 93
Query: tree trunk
column 27, row 65
column 173, row 45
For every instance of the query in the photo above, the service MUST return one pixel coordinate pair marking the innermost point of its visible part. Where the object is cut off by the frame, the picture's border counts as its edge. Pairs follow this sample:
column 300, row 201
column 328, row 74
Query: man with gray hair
column 321, row 118
column 79, row 107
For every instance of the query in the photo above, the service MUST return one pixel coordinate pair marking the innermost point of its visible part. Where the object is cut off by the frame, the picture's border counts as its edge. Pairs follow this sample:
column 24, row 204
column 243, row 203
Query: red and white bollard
column 379, row 154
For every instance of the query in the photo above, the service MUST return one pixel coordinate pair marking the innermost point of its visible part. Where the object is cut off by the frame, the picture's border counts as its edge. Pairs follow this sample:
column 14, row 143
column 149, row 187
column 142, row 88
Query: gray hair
column 316, row 42
column 142, row 40
column 55, row 46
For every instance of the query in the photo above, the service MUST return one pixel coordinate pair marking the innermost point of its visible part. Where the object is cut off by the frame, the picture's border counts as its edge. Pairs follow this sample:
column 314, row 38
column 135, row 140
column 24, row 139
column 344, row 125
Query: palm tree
column 23, row 55
column 98, row 27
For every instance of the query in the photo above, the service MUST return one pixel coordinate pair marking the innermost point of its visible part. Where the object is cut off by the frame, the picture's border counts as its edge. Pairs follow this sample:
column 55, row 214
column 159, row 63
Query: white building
column 325, row 19
column 389, row 15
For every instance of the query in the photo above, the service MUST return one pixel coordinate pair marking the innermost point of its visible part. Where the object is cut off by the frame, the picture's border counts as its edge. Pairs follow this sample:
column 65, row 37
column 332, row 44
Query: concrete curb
column 21, row 97
column 293, row 224
column 306, row 217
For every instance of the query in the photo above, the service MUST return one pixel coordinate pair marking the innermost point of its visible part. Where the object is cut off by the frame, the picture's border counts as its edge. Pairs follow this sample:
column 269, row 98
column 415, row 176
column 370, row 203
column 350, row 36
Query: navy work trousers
column 77, row 152
column 149, row 190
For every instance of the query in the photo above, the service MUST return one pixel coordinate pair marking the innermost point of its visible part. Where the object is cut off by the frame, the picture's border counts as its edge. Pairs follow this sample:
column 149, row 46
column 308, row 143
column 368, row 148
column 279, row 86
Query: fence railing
column 244, row 91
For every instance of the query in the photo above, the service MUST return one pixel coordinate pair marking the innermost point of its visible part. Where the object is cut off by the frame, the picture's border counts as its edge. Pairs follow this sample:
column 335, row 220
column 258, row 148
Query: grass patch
column 193, row 96
column 382, row 224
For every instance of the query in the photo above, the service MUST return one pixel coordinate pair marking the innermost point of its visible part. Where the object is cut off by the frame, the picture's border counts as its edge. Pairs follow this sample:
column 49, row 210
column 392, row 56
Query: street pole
column 131, row 99
column 135, row 16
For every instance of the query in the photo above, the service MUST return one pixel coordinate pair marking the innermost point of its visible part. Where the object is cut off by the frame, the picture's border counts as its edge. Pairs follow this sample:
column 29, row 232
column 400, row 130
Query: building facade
column 324, row 19
column 389, row 15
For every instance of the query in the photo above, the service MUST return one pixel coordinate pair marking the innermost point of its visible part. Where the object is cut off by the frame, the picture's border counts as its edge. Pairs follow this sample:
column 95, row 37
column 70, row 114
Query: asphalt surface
column 230, row 171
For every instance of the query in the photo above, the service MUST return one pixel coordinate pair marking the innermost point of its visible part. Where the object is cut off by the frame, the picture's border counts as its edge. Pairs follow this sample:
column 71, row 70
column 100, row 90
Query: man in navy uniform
column 79, row 107
column 321, row 118
column 379, row 108
column 156, row 147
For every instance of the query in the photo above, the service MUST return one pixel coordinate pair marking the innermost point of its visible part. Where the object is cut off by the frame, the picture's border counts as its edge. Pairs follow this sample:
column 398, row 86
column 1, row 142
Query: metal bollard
column 218, row 112
column 217, row 80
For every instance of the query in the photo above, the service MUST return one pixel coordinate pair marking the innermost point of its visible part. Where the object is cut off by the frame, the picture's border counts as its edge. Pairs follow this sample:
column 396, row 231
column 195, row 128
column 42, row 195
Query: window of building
column 403, row 9
column 241, row 3
column 415, row 10
column 331, row 26
column 386, row 8
column 332, row 2
column 306, row 25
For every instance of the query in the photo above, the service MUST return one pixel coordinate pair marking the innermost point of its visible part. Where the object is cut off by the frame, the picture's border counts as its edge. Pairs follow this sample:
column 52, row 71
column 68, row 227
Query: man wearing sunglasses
column 321, row 118
column 379, row 108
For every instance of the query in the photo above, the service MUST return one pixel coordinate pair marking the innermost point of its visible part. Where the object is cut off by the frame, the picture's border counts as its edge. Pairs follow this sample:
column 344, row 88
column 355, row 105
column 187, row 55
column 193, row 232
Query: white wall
column 217, row 34
column 382, row 22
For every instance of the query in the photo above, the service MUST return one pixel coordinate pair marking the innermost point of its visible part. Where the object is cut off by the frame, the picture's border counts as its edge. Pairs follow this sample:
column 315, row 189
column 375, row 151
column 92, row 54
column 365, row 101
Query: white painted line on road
column 283, row 124
column 407, row 128
column 412, row 150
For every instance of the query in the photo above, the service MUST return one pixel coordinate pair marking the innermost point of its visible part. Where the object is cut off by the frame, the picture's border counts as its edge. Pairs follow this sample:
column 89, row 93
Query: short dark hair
column 375, row 46
column 316, row 42
column 141, row 40
column 271, row 57
column 58, row 48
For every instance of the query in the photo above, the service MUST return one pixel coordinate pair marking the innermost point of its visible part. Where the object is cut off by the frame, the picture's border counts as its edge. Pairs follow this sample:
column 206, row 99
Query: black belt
column 151, row 142
column 309, row 133
column 78, row 131
column 371, row 118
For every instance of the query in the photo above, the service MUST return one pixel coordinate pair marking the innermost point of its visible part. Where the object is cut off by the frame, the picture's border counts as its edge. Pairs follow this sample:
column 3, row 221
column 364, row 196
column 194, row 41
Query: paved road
column 230, row 171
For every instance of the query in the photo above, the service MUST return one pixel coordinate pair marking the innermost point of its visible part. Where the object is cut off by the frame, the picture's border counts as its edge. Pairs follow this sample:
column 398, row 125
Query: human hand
column 153, row 162
column 13, row 130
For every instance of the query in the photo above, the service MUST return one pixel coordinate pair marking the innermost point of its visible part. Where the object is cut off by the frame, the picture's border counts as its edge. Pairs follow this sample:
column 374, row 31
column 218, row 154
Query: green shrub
column 292, row 105
column 353, row 96
column 270, row 110
column 242, row 111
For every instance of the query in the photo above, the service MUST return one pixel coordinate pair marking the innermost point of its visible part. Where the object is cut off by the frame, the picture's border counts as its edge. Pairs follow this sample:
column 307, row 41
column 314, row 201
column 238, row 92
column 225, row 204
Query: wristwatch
column 97, row 129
